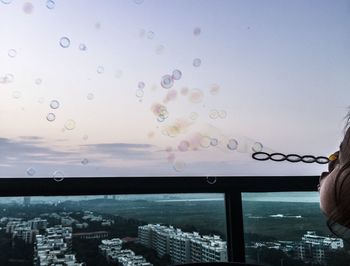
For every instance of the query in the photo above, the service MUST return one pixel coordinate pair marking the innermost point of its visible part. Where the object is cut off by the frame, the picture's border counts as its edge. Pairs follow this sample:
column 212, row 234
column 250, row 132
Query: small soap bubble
column 50, row 4
column 41, row 100
column 30, row 171
column 100, row 69
column 184, row 91
column 16, row 94
column 179, row 166
column 214, row 89
column 193, row 116
column 28, row 8
column 97, row 25
column 141, row 85
column 160, row 49
column 54, row 104
column 171, row 96
column 82, row 47
column 150, row 35
column 214, row 142
column 167, row 82
column 6, row 2
column 214, row 114
column 171, row 157
column 257, row 147
column 85, row 137
column 8, row 78
column 70, row 124
column 197, row 31
column 197, row 62
column 183, row 146
column 90, row 96
column 138, row 2
column 84, row 161
column 205, row 141
column 196, row 96
column 50, row 117
column 232, row 144
column 139, row 93
column 58, row 176
column 169, row 149
column 222, row 114
column 12, row 53
column 176, row 74
column 151, row 135
column 118, row 74
column 64, row 42
column 38, row 81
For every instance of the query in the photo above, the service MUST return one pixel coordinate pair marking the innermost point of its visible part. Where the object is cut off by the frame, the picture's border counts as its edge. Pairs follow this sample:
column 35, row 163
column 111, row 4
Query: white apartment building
column 182, row 247
column 317, row 248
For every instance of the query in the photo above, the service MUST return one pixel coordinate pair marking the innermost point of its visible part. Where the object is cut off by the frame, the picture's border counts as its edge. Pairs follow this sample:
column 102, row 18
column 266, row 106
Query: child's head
column 335, row 185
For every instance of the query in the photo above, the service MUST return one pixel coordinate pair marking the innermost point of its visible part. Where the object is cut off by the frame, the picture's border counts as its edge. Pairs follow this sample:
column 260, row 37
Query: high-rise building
column 182, row 247
column 26, row 201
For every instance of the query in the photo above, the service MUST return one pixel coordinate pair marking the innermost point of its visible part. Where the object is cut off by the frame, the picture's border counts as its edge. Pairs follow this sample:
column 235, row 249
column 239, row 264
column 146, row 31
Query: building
column 112, row 250
column 26, row 201
column 92, row 235
column 317, row 248
column 182, row 247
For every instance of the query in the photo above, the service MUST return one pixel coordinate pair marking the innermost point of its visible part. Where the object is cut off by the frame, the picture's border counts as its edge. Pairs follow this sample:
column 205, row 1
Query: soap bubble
column 50, row 4
column 171, row 96
column 222, row 114
column 232, row 144
column 8, row 78
column 179, row 166
column 184, row 91
column 54, row 104
column 28, row 8
column 64, row 42
column 183, row 146
column 193, row 116
column 58, row 176
column 118, row 73
column 171, row 157
column 196, row 96
column 97, row 25
column 70, row 124
column 12, row 53
column 90, row 96
column 214, row 89
column 213, row 114
column 150, row 35
column 82, row 47
column 257, row 147
column 214, row 142
column 197, row 62
column 139, row 93
column 141, row 85
column 197, row 31
column 6, row 2
column 16, row 94
column 100, row 69
column 138, row 2
column 38, row 81
column 84, row 161
column 205, row 141
column 160, row 49
column 167, row 82
column 50, row 117
column 30, row 171
column 176, row 74
column 85, row 137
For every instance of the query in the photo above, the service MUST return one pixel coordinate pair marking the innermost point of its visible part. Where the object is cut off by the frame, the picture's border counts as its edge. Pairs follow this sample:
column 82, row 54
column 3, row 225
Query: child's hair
column 339, row 220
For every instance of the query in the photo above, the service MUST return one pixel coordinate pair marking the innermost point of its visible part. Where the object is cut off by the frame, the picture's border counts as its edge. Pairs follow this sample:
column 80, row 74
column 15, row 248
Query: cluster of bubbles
column 167, row 81
column 54, row 104
column 214, row 114
column 160, row 111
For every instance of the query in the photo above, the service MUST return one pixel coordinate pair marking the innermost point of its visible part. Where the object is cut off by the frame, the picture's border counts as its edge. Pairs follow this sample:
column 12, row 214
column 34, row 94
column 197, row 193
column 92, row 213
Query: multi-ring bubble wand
column 293, row 158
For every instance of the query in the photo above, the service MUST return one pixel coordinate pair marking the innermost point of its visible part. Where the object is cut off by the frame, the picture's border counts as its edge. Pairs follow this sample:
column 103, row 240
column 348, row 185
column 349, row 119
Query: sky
column 170, row 88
